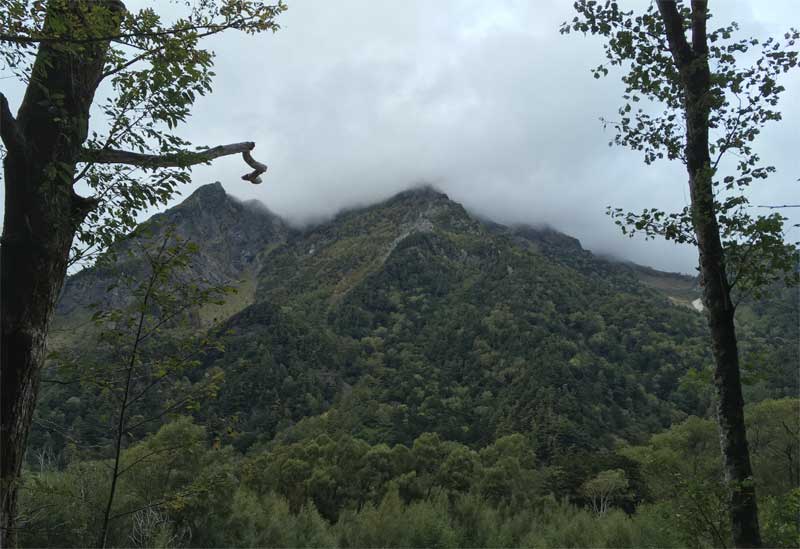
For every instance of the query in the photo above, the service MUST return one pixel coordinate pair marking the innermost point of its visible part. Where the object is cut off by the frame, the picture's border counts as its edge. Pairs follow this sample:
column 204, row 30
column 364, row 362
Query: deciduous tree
column 603, row 488
column 64, row 52
column 695, row 99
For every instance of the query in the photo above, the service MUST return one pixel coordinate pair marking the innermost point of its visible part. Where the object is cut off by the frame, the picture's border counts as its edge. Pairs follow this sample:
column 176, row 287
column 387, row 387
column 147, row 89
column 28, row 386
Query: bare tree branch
column 780, row 206
column 253, row 177
column 179, row 160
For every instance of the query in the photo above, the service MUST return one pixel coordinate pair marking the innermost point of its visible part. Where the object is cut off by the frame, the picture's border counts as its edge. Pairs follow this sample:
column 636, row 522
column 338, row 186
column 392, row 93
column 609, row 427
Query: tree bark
column 42, row 213
column 692, row 62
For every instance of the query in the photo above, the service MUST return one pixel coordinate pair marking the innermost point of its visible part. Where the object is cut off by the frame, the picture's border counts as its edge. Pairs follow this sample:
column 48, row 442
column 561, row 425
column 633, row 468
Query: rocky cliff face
column 230, row 236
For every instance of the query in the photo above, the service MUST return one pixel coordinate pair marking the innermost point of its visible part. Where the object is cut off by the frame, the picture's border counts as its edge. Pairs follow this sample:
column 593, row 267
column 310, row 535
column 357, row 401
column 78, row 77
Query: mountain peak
column 423, row 192
column 230, row 235
column 209, row 193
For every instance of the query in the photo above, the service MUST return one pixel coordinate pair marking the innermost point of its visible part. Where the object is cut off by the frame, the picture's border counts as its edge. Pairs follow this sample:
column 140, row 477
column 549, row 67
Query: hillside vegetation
column 408, row 375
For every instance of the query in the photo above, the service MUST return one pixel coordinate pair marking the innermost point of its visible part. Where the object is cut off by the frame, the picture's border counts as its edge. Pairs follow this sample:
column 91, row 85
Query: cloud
column 353, row 101
column 359, row 100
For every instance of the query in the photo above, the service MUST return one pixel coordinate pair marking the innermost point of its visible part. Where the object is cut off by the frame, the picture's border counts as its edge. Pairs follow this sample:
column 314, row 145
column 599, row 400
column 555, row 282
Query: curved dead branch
column 178, row 160
column 253, row 177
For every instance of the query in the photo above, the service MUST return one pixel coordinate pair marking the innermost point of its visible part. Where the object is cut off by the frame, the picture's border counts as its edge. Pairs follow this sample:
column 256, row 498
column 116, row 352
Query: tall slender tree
column 135, row 364
column 694, row 99
column 64, row 51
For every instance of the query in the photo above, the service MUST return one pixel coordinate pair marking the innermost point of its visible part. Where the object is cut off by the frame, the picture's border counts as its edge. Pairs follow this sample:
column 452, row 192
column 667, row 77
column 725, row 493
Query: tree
column 63, row 50
column 132, row 359
column 134, row 362
column 712, row 106
column 172, row 473
column 603, row 488
column 683, row 469
column 681, row 466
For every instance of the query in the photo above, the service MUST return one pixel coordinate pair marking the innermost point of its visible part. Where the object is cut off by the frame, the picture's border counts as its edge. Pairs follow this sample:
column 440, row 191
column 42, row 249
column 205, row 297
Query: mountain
column 231, row 236
column 414, row 316
column 431, row 320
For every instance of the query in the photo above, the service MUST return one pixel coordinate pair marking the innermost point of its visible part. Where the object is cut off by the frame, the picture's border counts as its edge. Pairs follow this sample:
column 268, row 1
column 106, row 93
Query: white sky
column 352, row 101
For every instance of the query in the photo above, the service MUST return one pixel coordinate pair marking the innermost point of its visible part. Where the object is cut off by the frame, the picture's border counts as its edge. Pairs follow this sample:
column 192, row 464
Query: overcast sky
column 352, row 101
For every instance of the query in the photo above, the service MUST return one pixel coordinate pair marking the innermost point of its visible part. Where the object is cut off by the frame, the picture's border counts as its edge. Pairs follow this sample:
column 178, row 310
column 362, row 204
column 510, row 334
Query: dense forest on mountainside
column 183, row 491
column 402, row 373
column 406, row 374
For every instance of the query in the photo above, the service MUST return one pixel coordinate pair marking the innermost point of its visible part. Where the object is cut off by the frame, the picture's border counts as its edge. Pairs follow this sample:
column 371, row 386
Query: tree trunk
column 42, row 213
column 730, row 403
column 692, row 61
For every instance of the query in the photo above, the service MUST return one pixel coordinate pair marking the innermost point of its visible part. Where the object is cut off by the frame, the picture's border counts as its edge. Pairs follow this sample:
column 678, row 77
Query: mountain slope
column 443, row 323
column 412, row 316
column 230, row 236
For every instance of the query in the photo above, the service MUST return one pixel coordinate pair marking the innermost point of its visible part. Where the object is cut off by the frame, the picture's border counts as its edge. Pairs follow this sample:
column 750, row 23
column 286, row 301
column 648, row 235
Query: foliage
column 781, row 520
column 172, row 473
column 138, row 345
column 434, row 336
column 345, row 492
column 604, row 488
column 421, row 388
column 745, row 91
column 135, row 375
column 155, row 69
column 682, row 467
column 473, row 333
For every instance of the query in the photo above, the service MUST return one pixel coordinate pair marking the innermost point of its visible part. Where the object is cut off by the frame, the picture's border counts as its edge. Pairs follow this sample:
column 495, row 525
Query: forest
column 478, row 386
column 324, row 492
column 411, row 350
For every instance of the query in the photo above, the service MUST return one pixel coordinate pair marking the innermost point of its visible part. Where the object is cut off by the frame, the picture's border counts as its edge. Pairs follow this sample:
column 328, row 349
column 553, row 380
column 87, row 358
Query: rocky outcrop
column 229, row 234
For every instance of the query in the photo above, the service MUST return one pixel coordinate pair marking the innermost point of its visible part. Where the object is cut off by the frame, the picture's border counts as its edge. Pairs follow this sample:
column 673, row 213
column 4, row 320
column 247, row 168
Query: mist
column 354, row 101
